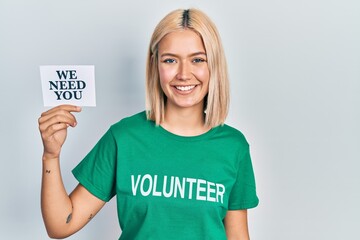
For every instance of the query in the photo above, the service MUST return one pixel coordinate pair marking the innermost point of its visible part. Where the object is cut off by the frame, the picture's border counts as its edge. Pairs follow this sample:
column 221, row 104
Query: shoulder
column 232, row 134
column 137, row 121
column 137, row 118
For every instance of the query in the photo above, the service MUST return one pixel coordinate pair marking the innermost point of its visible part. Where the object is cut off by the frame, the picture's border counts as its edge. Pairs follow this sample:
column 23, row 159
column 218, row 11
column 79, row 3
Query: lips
column 185, row 88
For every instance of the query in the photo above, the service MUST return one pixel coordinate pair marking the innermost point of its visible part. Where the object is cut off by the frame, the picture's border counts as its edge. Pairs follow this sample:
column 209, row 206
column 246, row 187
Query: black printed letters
column 68, row 86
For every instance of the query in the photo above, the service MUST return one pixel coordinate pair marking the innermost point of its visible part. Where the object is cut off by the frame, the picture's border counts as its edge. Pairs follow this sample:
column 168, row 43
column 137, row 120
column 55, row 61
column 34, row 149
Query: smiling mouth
column 185, row 88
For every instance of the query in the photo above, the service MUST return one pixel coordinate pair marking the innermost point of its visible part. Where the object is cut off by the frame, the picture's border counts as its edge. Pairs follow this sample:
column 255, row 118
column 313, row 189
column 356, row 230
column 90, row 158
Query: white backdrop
column 295, row 83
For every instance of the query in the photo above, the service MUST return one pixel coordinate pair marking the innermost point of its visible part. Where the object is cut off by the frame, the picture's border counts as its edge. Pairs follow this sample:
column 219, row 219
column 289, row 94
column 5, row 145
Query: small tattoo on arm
column 47, row 171
column 69, row 218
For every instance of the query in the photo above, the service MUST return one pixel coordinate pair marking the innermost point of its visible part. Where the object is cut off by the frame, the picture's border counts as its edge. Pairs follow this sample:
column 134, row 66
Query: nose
column 184, row 71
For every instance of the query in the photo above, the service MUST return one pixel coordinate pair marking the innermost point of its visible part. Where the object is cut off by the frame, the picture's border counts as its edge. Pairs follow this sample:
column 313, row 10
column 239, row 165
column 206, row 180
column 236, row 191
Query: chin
column 188, row 104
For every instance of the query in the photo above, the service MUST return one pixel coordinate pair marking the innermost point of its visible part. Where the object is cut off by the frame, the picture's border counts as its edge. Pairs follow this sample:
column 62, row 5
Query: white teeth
column 184, row 88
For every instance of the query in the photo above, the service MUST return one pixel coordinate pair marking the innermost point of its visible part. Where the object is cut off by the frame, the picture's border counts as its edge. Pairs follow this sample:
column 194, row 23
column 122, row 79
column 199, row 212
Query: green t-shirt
column 168, row 186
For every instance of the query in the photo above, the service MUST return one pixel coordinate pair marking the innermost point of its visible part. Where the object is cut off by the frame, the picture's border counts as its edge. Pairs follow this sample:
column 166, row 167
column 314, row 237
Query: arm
column 63, row 214
column 236, row 225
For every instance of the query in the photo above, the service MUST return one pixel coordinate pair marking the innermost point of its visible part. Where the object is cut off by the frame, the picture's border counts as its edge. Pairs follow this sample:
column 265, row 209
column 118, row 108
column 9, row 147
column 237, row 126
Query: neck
column 185, row 121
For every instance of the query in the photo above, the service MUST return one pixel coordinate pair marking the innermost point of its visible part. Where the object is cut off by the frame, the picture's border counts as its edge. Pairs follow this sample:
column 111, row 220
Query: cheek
column 203, row 75
column 166, row 74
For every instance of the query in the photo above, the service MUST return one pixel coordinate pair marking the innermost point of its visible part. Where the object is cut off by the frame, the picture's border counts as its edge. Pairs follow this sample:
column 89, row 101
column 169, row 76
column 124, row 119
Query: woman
column 177, row 170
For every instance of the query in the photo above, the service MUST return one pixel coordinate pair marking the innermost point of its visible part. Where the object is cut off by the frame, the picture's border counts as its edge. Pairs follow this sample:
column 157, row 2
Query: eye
column 199, row 60
column 169, row 60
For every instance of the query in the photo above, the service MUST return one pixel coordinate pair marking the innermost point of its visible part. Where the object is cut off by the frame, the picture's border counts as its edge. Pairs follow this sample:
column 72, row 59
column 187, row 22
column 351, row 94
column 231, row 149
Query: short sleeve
column 97, row 171
column 243, row 194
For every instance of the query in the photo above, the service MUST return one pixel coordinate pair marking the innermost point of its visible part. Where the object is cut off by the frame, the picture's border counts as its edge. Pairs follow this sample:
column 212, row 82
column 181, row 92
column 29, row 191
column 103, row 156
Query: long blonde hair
column 217, row 100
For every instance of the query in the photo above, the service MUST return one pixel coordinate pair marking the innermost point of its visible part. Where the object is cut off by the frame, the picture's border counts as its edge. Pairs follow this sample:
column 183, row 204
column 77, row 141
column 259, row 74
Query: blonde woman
column 177, row 171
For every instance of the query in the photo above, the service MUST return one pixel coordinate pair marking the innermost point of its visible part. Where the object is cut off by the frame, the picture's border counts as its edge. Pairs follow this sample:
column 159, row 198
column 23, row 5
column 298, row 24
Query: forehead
column 186, row 41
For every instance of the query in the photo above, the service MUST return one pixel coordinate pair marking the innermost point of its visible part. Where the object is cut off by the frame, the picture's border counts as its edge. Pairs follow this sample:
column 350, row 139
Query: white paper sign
column 68, row 85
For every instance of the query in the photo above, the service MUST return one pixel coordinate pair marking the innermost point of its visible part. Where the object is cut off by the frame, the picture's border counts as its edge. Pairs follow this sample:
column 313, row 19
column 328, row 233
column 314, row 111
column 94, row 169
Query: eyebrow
column 175, row 55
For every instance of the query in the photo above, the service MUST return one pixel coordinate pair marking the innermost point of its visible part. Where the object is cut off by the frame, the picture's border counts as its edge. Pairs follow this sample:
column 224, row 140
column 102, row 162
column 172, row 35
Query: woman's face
column 183, row 69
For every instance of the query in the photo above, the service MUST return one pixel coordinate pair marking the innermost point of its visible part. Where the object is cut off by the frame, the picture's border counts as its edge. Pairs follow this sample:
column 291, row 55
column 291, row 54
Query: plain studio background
column 295, row 83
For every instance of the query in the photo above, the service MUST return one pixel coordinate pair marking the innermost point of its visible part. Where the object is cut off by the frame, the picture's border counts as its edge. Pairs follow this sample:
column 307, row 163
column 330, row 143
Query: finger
column 56, row 119
column 65, row 107
column 56, row 112
column 52, row 129
column 47, row 121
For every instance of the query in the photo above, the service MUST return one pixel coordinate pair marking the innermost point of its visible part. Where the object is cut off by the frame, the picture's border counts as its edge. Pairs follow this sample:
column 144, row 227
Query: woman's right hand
column 53, row 126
